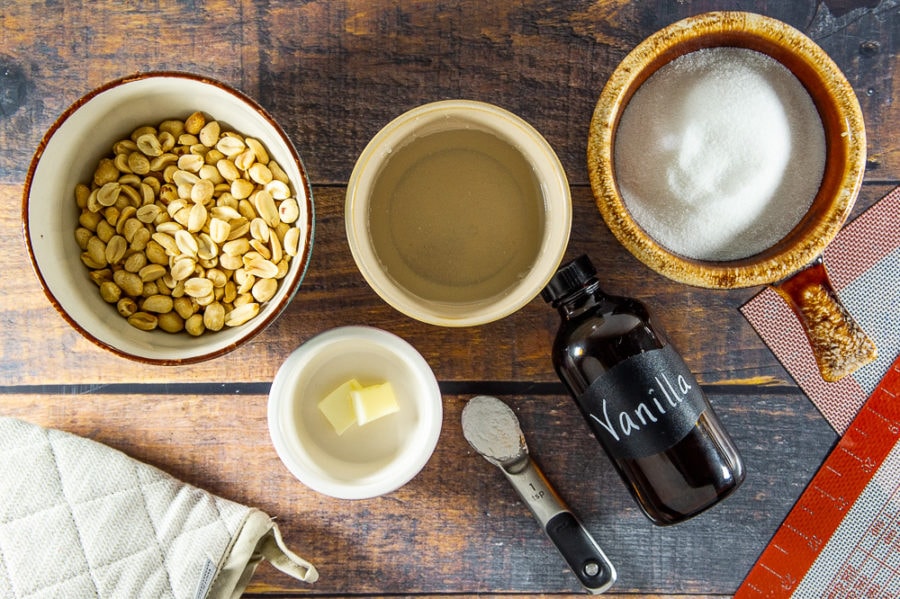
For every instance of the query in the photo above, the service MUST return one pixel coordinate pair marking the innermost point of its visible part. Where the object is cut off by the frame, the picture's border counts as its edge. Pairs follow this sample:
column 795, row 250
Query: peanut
column 187, row 226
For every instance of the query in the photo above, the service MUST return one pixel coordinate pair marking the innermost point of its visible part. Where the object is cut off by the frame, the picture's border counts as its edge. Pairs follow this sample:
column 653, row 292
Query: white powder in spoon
column 719, row 153
column 492, row 429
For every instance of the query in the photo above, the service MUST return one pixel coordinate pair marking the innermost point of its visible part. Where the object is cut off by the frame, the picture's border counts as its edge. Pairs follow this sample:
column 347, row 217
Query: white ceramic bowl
column 439, row 117
column 69, row 153
column 365, row 461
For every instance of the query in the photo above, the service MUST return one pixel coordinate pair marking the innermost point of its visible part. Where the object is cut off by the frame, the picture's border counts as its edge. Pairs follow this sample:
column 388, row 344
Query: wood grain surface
column 333, row 72
column 458, row 526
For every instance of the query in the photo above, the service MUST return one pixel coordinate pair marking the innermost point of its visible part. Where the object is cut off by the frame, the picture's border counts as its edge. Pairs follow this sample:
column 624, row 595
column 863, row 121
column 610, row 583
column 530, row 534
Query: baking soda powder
column 720, row 153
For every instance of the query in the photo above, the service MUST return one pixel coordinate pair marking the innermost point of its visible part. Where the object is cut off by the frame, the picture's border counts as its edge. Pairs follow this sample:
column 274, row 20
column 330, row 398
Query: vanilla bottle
column 640, row 399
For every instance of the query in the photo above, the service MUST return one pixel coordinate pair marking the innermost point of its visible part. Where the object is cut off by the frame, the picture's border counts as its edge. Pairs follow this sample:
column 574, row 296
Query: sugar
column 720, row 153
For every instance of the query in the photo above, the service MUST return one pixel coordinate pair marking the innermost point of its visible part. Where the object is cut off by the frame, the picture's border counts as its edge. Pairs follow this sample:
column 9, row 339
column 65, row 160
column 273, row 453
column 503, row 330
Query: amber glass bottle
column 640, row 399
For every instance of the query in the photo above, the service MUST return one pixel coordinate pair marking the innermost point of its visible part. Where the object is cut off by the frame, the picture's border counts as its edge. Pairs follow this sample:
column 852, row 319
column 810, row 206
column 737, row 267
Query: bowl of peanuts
column 168, row 217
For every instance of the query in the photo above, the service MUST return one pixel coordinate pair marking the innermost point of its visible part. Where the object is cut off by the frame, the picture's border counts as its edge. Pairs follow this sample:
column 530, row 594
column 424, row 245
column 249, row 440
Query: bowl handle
column 839, row 344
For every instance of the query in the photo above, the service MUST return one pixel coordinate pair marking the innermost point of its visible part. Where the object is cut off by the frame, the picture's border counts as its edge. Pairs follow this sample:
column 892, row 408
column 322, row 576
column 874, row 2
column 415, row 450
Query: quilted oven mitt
column 80, row 519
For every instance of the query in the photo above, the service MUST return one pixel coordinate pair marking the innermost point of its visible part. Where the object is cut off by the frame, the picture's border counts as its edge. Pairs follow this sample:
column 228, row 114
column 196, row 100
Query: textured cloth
column 80, row 519
column 863, row 262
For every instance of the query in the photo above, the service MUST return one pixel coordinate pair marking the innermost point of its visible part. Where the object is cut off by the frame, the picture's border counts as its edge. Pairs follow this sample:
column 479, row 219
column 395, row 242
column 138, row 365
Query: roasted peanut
column 96, row 249
column 126, row 306
column 101, row 275
column 143, row 321
column 158, row 304
column 198, row 287
column 186, row 226
column 264, row 289
column 135, row 262
column 82, row 236
column 115, row 249
column 105, row 231
column 194, row 325
column 151, row 272
column 209, row 134
column 184, row 307
column 170, row 322
column 241, row 314
column 292, row 241
column 130, row 283
column 214, row 316
column 110, row 292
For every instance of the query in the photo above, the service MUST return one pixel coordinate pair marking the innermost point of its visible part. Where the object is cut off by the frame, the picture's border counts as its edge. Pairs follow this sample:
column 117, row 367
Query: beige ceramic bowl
column 69, row 153
column 445, row 116
column 833, row 97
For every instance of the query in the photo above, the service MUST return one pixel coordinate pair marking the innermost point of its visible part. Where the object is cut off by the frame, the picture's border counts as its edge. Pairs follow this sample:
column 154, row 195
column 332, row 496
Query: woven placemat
column 864, row 264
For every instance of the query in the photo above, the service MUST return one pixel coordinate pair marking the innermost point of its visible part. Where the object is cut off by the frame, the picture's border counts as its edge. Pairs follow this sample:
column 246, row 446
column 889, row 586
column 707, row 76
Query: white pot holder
column 80, row 519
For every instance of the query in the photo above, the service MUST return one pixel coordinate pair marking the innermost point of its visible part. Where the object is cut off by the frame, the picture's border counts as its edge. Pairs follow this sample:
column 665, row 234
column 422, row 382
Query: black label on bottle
column 644, row 404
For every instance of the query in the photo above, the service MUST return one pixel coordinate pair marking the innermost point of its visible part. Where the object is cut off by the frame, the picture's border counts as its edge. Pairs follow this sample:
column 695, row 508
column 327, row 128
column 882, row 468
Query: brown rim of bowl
column 834, row 99
column 307, row 188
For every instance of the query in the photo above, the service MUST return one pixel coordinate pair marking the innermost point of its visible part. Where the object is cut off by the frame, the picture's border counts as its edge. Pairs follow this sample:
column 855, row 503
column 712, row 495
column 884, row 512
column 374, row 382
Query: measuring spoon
column 492, row 429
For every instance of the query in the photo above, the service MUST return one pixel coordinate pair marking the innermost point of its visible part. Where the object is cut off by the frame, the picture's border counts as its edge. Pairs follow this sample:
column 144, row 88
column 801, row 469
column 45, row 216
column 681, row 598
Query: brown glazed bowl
column 833, row 97
column 839, row 345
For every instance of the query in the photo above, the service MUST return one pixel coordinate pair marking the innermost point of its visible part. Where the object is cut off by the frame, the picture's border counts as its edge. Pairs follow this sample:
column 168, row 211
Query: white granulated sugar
column 719, row 153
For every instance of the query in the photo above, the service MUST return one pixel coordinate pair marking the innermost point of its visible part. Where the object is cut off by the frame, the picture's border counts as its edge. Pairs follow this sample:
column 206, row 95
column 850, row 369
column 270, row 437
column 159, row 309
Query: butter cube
column 373, row 402
column 337, row 406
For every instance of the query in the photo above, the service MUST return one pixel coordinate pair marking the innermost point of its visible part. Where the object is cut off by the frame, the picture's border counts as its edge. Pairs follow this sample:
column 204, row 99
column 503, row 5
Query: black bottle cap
column 570, row 277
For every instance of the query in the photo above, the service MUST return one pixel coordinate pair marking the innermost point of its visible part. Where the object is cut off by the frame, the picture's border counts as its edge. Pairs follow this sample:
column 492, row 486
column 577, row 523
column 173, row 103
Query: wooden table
column 333, row 73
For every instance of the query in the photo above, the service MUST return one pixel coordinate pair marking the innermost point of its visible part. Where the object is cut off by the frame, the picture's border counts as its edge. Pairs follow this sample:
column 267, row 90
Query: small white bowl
column 369, row 460
column 68, row 154
column 441, row 117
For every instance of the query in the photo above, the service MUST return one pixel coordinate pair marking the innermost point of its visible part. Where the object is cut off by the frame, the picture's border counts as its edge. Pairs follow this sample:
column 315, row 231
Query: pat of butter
column 337, row 406
column 374, row 402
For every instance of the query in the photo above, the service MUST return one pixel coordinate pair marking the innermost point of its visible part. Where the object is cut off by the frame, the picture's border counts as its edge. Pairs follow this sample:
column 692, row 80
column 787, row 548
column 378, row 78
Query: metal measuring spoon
column 492, row 429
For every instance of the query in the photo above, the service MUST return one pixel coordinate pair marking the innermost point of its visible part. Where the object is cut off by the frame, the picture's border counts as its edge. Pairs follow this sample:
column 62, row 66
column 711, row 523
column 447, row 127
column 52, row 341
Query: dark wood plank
column 333, row 73
column 704, row 324
column 458, row 526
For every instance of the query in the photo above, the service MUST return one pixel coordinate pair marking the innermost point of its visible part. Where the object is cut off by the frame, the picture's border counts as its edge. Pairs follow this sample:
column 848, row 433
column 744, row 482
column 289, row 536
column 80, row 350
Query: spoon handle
column 581, row 552
column 593, row 569
column 840, row 346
